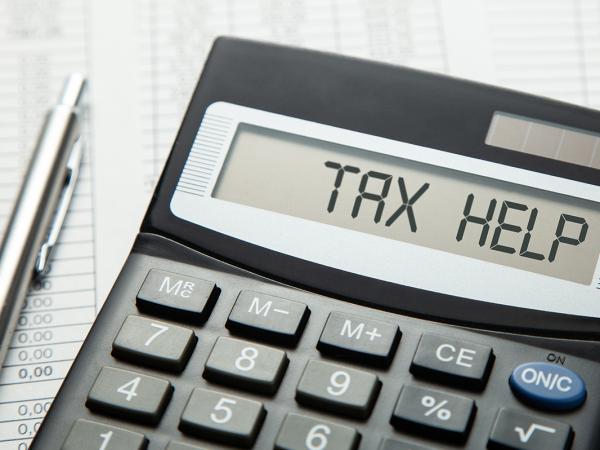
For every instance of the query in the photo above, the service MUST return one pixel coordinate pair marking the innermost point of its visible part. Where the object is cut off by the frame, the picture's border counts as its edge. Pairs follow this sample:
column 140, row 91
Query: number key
column 305, row 433
column 129, row 395
column 153, row 343
column 338, row 389
column 88, row 435
column 246, row 365
column 223, row 418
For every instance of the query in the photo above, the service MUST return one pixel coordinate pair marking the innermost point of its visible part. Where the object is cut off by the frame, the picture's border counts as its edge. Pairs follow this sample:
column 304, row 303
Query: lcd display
column 413, row 202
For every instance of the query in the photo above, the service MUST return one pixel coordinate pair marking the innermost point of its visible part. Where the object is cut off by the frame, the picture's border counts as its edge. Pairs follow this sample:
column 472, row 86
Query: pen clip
column 73, row 164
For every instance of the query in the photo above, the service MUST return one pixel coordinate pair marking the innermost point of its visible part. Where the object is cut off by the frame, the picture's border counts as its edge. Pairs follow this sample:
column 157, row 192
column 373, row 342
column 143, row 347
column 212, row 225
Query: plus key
column 373, row 334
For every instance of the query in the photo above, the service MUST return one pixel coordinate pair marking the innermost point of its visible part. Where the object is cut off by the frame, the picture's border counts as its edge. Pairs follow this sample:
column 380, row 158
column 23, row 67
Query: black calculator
column 343, row 254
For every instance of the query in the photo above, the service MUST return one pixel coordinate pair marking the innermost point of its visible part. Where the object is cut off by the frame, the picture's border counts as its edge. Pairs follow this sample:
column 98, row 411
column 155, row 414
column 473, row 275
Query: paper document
column 143, row 57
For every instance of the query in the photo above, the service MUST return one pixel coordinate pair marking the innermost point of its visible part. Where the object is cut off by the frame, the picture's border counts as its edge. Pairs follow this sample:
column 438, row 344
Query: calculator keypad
column 246, row 365
column 130, row 395
column 435, row 413
column 300, row 432
column 339, row 389
column 154, row 343
column 319, row 369
column 90, row 435
column 357, row 338
column 221, row 417
column 268, row 317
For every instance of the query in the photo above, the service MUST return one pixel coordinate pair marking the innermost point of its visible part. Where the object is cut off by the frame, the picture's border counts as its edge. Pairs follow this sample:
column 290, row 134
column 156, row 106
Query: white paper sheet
column 143, row 57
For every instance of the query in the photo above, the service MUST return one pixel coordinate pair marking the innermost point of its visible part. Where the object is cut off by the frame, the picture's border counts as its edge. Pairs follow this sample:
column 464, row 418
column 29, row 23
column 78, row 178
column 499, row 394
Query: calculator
column 344, row 254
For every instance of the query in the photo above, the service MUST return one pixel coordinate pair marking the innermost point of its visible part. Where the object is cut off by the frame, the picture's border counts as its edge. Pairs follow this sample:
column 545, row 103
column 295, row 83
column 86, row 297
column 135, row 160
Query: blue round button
column 548, row 386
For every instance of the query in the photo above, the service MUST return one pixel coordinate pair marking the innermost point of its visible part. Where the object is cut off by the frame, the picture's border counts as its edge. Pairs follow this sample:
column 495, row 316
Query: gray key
column 182, row 446
column 516, row 430
column 263, row 316
column 360, row 339
column 222, row 417
column 451, row 361
column 395, row 444
column 338, row 389
column 246, row 365
column 129, row 395
column 154, row 343
column 299, row 432
column 88, row 435
column 434, row 413
column 178, row 296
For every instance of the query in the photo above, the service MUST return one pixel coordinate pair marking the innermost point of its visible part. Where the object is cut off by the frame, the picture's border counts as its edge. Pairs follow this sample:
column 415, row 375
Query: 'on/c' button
column 548, row 386
column 452, row 361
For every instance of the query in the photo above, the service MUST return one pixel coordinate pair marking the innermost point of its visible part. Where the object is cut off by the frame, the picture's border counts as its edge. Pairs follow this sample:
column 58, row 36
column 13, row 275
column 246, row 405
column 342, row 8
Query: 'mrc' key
column 177, row 296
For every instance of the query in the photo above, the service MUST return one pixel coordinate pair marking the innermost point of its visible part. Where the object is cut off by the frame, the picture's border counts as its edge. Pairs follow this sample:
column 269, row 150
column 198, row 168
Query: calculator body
column 490, row 358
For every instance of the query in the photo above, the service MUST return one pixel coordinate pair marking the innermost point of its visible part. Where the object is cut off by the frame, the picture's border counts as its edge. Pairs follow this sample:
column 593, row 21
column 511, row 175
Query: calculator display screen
column 417, row 203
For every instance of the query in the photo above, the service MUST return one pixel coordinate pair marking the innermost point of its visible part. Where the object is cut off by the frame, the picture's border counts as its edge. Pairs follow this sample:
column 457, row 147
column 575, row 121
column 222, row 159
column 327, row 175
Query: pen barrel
column 32, row 214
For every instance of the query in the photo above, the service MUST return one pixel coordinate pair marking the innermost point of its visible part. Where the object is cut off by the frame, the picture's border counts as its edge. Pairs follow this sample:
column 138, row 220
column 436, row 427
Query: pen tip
column 72, row 90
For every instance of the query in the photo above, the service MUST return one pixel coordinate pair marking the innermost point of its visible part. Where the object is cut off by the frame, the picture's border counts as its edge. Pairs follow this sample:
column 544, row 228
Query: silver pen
column 41, row 206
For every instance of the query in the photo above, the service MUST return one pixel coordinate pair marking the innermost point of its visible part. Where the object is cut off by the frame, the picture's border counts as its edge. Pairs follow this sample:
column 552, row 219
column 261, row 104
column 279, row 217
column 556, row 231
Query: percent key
column 436, row 414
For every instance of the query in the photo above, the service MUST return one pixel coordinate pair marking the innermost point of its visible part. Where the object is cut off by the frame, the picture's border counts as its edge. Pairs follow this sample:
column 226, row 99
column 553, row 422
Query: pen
column 41, row 205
